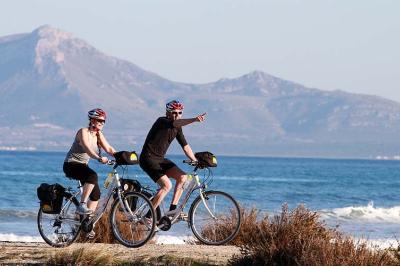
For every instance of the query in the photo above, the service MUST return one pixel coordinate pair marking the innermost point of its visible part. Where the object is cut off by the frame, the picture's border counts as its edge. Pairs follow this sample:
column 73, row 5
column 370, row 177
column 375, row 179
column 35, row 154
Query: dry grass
column 83, row 256
column 299, row 237
column 167, row 261
column 100, row 256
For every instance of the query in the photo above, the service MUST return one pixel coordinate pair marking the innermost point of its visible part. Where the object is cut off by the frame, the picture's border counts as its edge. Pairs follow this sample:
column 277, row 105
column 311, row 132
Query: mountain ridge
column 49, row 79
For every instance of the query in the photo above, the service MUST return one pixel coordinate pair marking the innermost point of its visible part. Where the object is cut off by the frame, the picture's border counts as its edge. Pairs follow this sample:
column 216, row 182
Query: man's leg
column 165, row 187
column 180, row 177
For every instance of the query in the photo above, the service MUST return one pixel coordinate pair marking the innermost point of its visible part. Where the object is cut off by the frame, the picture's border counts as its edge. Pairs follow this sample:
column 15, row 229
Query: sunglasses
column 176, row 113
column 101, row 121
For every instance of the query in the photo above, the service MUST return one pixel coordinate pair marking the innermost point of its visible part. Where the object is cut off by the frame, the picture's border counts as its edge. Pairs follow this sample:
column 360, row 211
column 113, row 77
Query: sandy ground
column 38, row 253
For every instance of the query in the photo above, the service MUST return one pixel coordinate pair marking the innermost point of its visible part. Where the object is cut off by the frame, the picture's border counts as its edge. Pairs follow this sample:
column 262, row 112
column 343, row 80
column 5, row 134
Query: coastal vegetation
column 300, row 237
column 293, row 237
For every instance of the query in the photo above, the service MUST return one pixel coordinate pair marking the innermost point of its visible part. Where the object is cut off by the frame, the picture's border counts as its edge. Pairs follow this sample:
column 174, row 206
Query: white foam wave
column 170, row 239
column 382, row 243
column 17, row 238
column 160, row 239
column 364, row 213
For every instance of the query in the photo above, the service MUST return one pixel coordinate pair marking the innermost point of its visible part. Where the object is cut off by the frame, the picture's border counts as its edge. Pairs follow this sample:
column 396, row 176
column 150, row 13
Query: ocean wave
column 174, row 239
column 17, row 238
column 365, row 213
column 269, row 179
column 13, row 214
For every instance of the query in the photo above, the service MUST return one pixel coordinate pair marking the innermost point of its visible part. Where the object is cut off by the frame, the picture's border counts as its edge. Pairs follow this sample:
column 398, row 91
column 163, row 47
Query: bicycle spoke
column 128, row 223
column 59, row 230
column 215, row 218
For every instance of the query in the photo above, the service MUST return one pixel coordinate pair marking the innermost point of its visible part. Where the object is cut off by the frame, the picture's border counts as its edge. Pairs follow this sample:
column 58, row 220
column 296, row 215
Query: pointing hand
column 201, row 118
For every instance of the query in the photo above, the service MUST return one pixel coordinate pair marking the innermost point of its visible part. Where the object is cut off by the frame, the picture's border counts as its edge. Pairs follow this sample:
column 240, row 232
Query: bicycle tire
column 138, row 227
column 54, row 229
column 209, row 230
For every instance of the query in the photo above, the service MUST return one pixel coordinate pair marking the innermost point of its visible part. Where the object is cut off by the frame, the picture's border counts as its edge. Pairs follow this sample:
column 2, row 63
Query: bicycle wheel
column 59, row 230
column 132, row 221
column 215, row 221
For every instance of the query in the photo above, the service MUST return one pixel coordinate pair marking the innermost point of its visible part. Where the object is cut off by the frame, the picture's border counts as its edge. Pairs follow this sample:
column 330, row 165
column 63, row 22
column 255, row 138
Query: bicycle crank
column 164, row 223
column 87, row 225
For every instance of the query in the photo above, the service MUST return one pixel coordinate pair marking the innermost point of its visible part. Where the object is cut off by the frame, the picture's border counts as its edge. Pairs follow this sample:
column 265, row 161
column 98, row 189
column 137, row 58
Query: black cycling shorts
column 156, row 168
column 83, row 173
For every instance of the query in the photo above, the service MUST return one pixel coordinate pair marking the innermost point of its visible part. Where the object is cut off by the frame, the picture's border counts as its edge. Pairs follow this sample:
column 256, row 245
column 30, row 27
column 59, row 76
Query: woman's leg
column 87, row 189
column 94, row 197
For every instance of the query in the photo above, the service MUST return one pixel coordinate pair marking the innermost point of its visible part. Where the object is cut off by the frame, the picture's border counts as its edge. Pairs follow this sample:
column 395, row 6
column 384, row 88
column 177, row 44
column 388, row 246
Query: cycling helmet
column 174, row 105
column 97, row 113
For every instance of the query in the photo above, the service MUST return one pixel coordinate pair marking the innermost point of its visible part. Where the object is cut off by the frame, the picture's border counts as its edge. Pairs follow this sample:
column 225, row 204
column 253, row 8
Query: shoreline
column 22, row 253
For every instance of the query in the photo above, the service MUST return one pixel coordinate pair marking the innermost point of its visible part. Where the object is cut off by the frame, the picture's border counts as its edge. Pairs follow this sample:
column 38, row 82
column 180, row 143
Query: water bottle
column 108, row 180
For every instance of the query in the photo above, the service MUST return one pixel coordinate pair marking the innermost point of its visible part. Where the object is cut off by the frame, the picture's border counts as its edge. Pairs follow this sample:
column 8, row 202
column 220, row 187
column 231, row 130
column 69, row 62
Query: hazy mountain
column 49, row 79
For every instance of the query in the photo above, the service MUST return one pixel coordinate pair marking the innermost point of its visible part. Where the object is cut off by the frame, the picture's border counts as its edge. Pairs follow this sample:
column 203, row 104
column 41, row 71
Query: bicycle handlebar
column 110, row 162
column 190, row 162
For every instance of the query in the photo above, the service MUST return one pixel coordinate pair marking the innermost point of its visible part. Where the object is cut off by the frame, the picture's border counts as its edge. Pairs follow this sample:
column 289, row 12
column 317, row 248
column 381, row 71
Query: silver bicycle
column 214, row 216
column 131, row 215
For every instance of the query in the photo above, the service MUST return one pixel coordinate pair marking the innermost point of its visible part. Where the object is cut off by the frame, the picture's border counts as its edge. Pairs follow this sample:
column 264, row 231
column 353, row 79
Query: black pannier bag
column 126, row 158
column 51, row 197
column 130, row 185
column 206, row 159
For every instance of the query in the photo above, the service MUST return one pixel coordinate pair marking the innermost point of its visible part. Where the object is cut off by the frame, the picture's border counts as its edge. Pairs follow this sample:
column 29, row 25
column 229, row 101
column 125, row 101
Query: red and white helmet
column 174, row 105
column 97, row 113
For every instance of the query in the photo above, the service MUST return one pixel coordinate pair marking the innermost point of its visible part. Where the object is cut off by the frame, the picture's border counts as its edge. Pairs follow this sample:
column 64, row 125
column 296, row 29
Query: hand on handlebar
column 103, row 160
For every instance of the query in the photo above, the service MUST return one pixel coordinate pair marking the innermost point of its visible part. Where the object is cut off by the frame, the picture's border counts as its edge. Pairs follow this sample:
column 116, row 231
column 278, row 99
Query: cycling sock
column 172, row 207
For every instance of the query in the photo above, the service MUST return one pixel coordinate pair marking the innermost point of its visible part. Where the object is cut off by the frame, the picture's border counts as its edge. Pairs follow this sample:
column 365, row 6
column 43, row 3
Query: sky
column 350, row 45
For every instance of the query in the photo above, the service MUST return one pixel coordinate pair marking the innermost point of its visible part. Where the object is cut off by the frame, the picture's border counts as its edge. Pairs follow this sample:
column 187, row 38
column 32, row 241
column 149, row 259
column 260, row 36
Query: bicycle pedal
column 183, row 216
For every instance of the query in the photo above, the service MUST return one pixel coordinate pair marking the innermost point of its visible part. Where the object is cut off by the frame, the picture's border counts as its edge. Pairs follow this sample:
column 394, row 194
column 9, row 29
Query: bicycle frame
column 192, row 186
column 114, row 186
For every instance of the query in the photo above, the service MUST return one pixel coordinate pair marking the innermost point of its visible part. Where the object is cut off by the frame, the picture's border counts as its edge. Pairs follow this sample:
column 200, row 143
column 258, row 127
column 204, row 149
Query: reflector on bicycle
column 126, row 158
column 206, row 159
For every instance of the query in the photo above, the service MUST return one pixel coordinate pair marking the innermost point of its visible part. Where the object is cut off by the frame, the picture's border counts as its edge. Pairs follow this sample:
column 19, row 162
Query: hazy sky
column 352, row 45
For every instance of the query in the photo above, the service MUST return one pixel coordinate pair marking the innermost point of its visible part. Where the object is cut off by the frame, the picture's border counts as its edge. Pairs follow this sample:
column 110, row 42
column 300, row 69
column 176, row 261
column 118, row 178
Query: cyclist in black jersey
column 152, row 160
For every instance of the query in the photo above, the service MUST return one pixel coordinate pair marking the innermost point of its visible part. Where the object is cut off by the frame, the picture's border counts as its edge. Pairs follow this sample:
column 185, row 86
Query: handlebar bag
column 51, row 197
column 206, row 159
column 126, row 158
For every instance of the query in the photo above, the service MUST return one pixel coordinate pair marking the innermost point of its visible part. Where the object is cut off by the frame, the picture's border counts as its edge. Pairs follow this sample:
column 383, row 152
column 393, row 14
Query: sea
column 359, row 197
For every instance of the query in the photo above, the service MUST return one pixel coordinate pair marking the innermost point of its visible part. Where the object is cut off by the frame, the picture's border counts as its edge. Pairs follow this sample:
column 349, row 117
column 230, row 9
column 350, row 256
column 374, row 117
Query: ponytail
column 98, row 142
column 98, row 139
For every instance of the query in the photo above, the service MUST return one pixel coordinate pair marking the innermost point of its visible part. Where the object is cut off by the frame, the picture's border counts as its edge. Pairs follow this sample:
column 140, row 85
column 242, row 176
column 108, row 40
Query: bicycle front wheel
column 59, row 230
column 216, row 220
column 133, row 220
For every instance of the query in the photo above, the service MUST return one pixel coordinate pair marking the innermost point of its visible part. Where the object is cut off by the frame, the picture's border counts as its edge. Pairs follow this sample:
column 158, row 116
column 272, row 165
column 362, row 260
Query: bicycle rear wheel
column 133, row 222
column 217, row 220
column 59, row 230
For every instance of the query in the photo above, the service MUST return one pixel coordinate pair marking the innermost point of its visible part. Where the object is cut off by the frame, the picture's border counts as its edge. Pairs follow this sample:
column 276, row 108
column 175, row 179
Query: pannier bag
column 206, row 159
column 131, row 185
column 51, row 197
column 126, row 158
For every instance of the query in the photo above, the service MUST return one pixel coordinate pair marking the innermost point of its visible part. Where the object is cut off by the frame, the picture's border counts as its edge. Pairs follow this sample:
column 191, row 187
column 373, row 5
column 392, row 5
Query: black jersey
column 160, row 136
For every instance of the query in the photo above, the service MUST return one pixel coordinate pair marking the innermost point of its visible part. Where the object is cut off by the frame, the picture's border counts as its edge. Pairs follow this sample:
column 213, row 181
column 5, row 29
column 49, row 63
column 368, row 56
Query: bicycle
column 127, row 215
column 214, row 216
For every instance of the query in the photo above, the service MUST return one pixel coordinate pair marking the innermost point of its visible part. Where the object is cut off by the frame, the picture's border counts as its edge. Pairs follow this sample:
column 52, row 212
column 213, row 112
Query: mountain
column 49, row 79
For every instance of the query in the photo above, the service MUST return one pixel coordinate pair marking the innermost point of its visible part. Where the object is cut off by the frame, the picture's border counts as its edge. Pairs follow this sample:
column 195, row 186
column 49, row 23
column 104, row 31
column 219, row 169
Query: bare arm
column 83, row 136
column 106, row 146
column 189, row 153
column 186, row 121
